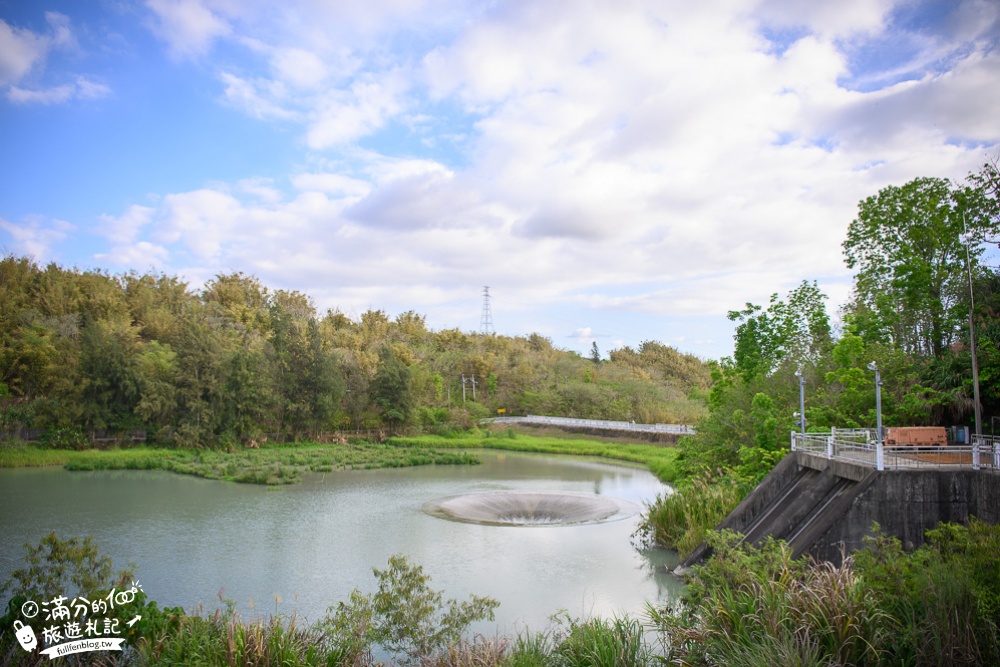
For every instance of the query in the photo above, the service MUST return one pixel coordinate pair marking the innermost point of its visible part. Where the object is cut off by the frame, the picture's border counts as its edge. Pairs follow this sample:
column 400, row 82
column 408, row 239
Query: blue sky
column 614, row 171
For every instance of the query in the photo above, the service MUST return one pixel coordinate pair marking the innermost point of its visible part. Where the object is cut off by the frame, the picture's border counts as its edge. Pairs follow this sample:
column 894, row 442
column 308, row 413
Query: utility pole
column 473, row 381
column 972, row 336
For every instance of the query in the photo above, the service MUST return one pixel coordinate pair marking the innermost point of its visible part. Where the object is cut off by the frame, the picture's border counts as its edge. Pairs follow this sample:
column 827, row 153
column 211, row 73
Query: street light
column 802, row 402
column 879, row 450
column 878, row 401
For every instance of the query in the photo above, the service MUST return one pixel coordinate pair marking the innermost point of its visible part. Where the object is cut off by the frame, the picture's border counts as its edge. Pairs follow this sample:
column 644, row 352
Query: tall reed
column 759, row 606
column 681, row 520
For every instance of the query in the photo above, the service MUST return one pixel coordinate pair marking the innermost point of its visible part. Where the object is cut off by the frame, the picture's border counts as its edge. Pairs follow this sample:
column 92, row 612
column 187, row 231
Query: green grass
column 658, row 458
column 286, row 463
column 283, row 464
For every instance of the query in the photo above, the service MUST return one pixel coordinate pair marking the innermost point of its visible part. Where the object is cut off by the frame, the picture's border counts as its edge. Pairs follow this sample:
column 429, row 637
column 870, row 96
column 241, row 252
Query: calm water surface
column 302, row 548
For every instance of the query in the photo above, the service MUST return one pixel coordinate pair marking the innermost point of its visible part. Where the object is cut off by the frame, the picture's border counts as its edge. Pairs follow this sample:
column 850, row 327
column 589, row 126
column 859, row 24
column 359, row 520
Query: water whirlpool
column 526, row 508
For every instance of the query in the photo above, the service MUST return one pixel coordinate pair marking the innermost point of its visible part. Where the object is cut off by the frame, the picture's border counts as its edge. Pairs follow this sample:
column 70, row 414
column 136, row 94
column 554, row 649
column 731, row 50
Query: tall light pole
column 878, row 401
column 802, row 402
column 972, row 335
column 880, row 442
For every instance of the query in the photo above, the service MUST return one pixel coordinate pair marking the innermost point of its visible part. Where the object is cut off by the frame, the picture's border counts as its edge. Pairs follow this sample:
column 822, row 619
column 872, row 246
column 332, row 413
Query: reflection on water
column 302, row 548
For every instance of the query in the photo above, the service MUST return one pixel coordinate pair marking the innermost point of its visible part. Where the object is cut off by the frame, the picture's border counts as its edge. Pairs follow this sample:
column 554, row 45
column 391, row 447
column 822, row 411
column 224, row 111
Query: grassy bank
column 282, row 464
column 658, row 458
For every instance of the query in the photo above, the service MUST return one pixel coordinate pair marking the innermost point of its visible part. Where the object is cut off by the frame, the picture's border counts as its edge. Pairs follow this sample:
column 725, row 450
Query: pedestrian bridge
column 601, row 424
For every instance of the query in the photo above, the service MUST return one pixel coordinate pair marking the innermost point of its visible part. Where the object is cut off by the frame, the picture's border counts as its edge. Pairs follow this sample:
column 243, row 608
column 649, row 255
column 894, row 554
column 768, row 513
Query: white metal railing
column 680, row 429
column 860, row 435
column 983, row 454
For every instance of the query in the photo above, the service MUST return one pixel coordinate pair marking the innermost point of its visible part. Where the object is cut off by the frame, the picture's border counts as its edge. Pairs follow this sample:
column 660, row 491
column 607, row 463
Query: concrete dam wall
column 824, row 507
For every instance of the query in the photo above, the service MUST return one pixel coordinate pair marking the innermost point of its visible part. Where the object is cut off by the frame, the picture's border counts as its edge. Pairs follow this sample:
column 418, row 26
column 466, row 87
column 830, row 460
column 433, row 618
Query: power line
column 486, row 322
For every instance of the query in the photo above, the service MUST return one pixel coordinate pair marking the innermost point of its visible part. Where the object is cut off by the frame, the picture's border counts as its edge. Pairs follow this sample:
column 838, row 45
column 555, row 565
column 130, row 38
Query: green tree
column 392, row 390
column 907, row 247
column 63, row 567
column 792, row 332
column 405, row 616
column 108, row 361
column 157, row 370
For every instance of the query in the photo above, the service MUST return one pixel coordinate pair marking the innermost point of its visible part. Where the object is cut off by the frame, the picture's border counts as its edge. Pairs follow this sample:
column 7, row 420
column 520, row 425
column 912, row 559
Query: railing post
column 975, row 453
column 829, row 447
column 879, row 455
column 793, row 441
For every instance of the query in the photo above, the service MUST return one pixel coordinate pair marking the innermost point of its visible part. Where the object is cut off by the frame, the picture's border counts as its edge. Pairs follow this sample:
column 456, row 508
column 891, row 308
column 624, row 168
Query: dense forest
column 238, row 361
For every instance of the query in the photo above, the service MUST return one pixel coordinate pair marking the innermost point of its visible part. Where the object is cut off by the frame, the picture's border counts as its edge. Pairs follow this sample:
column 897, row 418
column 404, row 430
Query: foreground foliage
column 757, row 606
column 939, row 605
column 405, row 617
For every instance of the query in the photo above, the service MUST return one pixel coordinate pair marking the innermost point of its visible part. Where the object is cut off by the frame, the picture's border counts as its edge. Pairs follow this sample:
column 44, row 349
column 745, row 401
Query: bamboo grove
column 236, row 362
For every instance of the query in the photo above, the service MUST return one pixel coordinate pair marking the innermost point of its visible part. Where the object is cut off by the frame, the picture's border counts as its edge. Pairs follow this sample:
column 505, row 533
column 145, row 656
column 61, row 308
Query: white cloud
column 20, row 51
column 345, row 115
column 337, row 184
column 35, row 236
column 141, row 255
column 81, row 89
column 301, row 68
column 188, row 26
column 125, row 228
column 261, row 98
column 23, row 55
column 830, row 18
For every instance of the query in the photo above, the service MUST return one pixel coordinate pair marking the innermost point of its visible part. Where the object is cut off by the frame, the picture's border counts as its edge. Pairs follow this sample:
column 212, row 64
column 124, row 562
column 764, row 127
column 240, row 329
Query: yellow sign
column 500, row 410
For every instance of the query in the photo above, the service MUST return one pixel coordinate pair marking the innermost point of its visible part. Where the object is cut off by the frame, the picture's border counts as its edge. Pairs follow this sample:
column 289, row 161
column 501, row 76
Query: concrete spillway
column 511, row 508
column 826, row 507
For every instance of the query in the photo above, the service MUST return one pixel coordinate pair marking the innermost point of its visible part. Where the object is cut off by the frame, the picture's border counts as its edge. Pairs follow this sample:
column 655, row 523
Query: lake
column 302, row 548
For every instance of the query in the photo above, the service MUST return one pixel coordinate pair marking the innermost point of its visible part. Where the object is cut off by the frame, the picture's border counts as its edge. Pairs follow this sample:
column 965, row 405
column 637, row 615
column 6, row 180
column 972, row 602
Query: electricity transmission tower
column 486, row 323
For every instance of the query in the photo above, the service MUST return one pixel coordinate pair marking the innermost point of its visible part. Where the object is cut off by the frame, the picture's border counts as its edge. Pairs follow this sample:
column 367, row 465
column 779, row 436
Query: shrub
column 405, row 616
column 753, row 606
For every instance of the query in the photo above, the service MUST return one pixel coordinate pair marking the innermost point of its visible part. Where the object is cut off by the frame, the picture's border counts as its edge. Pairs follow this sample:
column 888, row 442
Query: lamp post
column 878, row 400
column 879, row 452
column 802, row 402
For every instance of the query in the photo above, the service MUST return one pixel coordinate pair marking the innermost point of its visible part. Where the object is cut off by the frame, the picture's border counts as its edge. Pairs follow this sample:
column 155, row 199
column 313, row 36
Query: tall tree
column 392, row 390
column 796, row 331
column 907, row 245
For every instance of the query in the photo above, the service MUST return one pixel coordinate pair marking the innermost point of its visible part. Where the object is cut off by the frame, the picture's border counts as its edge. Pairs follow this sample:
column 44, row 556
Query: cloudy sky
column 614, row 171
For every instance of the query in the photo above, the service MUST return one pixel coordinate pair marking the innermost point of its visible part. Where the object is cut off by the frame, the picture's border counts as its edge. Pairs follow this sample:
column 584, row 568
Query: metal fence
column 680, row 429
column 983, row 454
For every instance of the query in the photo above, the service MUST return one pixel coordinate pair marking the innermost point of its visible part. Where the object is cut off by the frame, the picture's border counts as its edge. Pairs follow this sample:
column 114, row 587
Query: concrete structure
column 825, row 506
